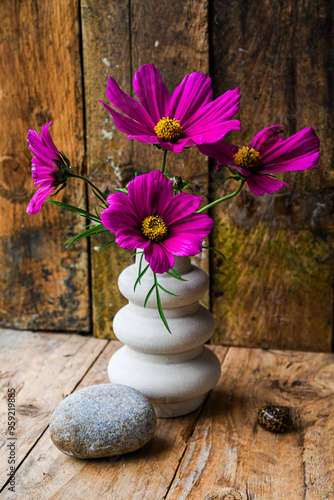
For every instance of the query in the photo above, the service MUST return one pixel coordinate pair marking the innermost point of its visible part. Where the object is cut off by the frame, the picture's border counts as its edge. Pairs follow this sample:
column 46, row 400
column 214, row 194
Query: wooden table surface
column 218, row 452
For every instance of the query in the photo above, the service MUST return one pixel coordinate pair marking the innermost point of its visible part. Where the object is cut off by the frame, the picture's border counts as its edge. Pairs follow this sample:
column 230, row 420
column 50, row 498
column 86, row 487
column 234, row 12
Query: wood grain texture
column 43, row 285
column 174, row 37
column 117, row 43
column 275, row 289
column 43, row 369
column 106, row 51
column 230, row 457
column 144, row 474
column 216, row 453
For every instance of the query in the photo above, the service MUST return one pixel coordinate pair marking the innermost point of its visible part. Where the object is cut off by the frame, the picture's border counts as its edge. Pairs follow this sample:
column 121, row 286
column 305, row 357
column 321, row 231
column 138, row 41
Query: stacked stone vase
column 174, row 370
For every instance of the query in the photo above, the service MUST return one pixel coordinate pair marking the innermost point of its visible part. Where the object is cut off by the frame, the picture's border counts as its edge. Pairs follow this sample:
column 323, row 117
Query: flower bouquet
column 156, row 214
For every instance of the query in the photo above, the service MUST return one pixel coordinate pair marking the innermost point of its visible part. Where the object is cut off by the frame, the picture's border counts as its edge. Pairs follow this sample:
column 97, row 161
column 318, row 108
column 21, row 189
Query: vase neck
column 182, row 264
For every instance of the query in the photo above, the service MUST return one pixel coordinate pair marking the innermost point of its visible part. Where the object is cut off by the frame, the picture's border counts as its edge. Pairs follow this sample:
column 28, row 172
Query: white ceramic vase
column 174, row 371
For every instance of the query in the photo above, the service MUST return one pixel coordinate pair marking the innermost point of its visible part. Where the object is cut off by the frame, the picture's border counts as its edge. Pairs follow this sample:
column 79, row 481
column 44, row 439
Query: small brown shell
column 275, row 418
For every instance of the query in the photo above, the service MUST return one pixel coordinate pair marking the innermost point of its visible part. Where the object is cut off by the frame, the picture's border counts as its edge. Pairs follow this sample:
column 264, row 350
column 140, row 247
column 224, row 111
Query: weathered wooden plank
column 275, row 289
column 43, row 368
column 173, row 36
column 229, row 454
column 106, row 51
column 43, row 285
column 144, row 474
column 117, row 41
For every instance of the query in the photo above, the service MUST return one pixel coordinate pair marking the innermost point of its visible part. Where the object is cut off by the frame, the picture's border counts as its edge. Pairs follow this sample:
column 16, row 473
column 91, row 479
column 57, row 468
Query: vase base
column 175, row 384
column 177, row 409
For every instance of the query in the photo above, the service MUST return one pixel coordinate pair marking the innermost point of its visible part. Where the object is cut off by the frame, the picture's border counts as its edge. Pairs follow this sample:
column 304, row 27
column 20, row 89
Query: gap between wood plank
column 43, row 432
column 54, row 332
column 84, row 168
column 193, row 430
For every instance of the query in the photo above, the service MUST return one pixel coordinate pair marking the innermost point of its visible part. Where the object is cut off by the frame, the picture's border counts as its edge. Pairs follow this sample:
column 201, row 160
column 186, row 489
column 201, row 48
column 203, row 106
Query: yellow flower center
column 168, row 129
column 249, row 159
column 154, row 228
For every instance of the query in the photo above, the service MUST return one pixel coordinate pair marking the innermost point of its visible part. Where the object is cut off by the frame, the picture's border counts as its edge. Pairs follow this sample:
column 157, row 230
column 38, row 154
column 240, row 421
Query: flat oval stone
column 102, row 420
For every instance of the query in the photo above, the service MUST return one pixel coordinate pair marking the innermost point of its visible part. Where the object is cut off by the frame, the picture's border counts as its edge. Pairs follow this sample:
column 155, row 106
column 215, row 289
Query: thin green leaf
column 149, row 294
column 83, row 213
column 137, row 253
column 96, row 228
column 215, row 250
column 122, row 190
column 141, row 274
column 141, row 261
column 60, row 189
column 106, row 244
column 99, row 196
column 166, row 291
column 161, row 312
column 89, row 232
column 175, row 274
column 95, row 193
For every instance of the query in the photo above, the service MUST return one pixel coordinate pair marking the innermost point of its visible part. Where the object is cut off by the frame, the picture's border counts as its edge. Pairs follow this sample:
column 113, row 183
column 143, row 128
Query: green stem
column 231, row 177
column 102, row 195
column 224, row 198
column 163, row 164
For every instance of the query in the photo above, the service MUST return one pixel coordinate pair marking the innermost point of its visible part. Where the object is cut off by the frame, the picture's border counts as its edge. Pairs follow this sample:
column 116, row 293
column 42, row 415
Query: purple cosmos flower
column 186, row 118
column 150, row 217
column 49, row 167
column 267, row 154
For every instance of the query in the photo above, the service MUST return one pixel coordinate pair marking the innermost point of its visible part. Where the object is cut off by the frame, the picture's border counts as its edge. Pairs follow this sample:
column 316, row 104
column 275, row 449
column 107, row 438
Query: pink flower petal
column 41, row 174
column 213, row 134
column 131, row 238
column 267, row 138
column 120, row 214
column 150, row 193
column 39, row 149
column 38, row 199
column 151, row 91
column 123, row 123
column 146, row 139
column 44, row 165
column 159, row 258
column 183, row 245
column 47, row 139
column 260, row 184
column 185, row 236
column 242, row 171
column 299, row 163
column 128, row 105
column 220, row 150
column 193, row 92
column 178, row 146
column 298, row 152
column 197, row 225
column 210, row 123
column 203, row 120
column 180, row 205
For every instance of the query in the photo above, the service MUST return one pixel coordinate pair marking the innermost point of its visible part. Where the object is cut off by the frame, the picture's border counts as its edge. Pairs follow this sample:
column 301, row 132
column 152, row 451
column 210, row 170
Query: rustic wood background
column 275, row 290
